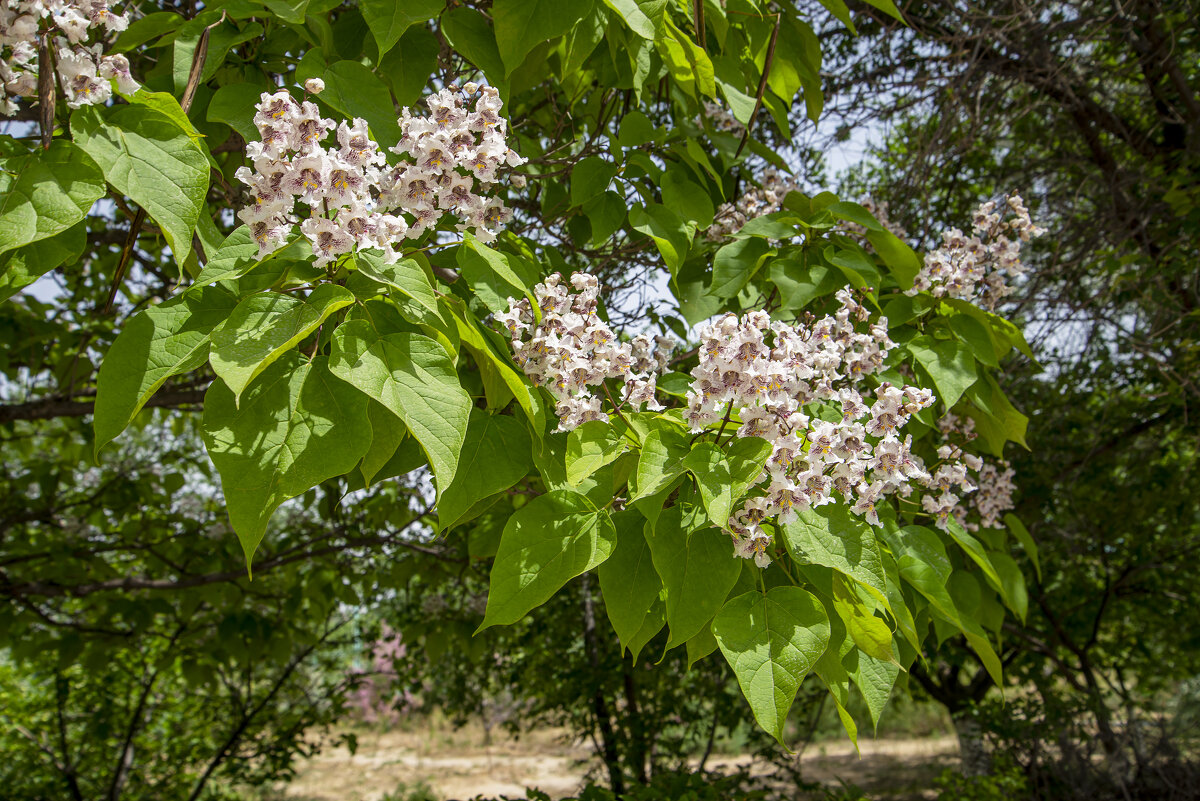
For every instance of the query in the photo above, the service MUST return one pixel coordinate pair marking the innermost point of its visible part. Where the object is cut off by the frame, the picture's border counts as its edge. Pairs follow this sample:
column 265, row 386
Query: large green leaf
column 590, row 447
column 772, row 641
column 413, row 376
column 495, row 455
column 710, row 467
column 899, row 257
column 149, row 157
column 296, row 427
column 545, row 544
column 389, row 19
column 628, row 580
column 387, row 432
column 405, row 276
column 470, row 33
column 521, row 25
column 489, row 274
column 21, row 267
column 356, row 91
column 157, row 343
column 949, row 363
column 264, row 326
column 45, row 193
column 698, row 569
column 923, row 563
column 668, row 230
column 736, row 263
column 689, row 64
column 407, row 68
column 832, row 537
column 661, row 460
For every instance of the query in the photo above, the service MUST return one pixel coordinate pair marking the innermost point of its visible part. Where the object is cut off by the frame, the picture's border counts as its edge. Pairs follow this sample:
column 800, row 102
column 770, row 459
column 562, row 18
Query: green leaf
column 874, row 678
column 975, row 335
column 21, row 267
column 489, row 274
column 1001, row 421
column 147, row 156
column 413, row 376
column 405, row 276
column 899, row 257
column 655, row 620
column 496, row 454
column 688, row 198
column 923, row 563
column 710, row 467
column 668, row 230
column 974, row 549
column 628, row 580
column 736, row 263
column 772, row 641
column 590, row 178
column 296, row 427
column 833, row 675
column 45, row 193
column 157, row 343
column 143, row 30
column 356, row 91
column 388, row 19
column 1016, row 596
column 590, row 447
column 1022, row 534
column 407, row 68
column 870, row 633
column 634, row 17
column 949, row 363
column 387, row 432
column 470, row 33
column 688, row 63
column 698, row 569
column 606, row 213
column 221, row 40
column 545, row 544
column 265, row 326
column 234, row 105
column 832, row 537
column 701, row 646
column 747, row 456
column 521, row 25
column 661, row 460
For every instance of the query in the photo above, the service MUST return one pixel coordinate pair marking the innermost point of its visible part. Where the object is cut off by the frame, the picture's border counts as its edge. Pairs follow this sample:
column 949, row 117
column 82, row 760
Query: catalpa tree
column 551, row 256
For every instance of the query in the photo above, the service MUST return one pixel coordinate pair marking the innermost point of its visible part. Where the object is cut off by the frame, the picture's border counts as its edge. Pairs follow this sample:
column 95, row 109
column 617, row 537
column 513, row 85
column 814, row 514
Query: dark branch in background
column 48, row 409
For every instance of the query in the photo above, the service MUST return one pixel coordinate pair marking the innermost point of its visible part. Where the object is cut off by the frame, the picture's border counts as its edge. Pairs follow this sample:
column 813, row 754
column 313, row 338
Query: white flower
column 314, row 86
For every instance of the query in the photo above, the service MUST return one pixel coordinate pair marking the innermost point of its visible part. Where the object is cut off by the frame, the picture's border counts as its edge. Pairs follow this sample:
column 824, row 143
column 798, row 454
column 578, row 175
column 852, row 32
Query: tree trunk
column 976, row 761
column 608, row 740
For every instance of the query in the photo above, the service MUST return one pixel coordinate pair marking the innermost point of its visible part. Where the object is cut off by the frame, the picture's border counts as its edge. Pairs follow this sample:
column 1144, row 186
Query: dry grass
column 457, row 764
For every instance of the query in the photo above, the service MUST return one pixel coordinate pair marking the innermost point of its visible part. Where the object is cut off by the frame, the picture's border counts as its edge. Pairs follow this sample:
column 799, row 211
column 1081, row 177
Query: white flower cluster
column 86, row 75
column 993, row 483
column 767, row 384
column 980, row 265
column 765, row 198
column 571, row 350
column 353, row 196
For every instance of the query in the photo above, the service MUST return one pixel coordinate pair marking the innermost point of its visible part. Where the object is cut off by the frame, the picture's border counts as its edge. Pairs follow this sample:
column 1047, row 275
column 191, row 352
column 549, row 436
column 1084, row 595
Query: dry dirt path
column 456, row 766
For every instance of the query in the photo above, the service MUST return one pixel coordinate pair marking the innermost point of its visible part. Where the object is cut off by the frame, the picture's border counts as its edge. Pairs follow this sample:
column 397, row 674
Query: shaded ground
column 455, row 764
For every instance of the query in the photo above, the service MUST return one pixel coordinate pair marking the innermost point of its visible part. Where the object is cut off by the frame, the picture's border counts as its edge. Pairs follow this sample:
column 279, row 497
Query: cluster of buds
column 857, row 453
column 572, row 350
column 991, row 485
column 85, row 73
column 981, row 265
column 353, row 197
column 765, row 198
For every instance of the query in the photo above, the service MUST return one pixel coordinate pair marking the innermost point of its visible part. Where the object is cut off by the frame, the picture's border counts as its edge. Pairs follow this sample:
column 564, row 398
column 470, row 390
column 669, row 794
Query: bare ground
column 456, row 765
